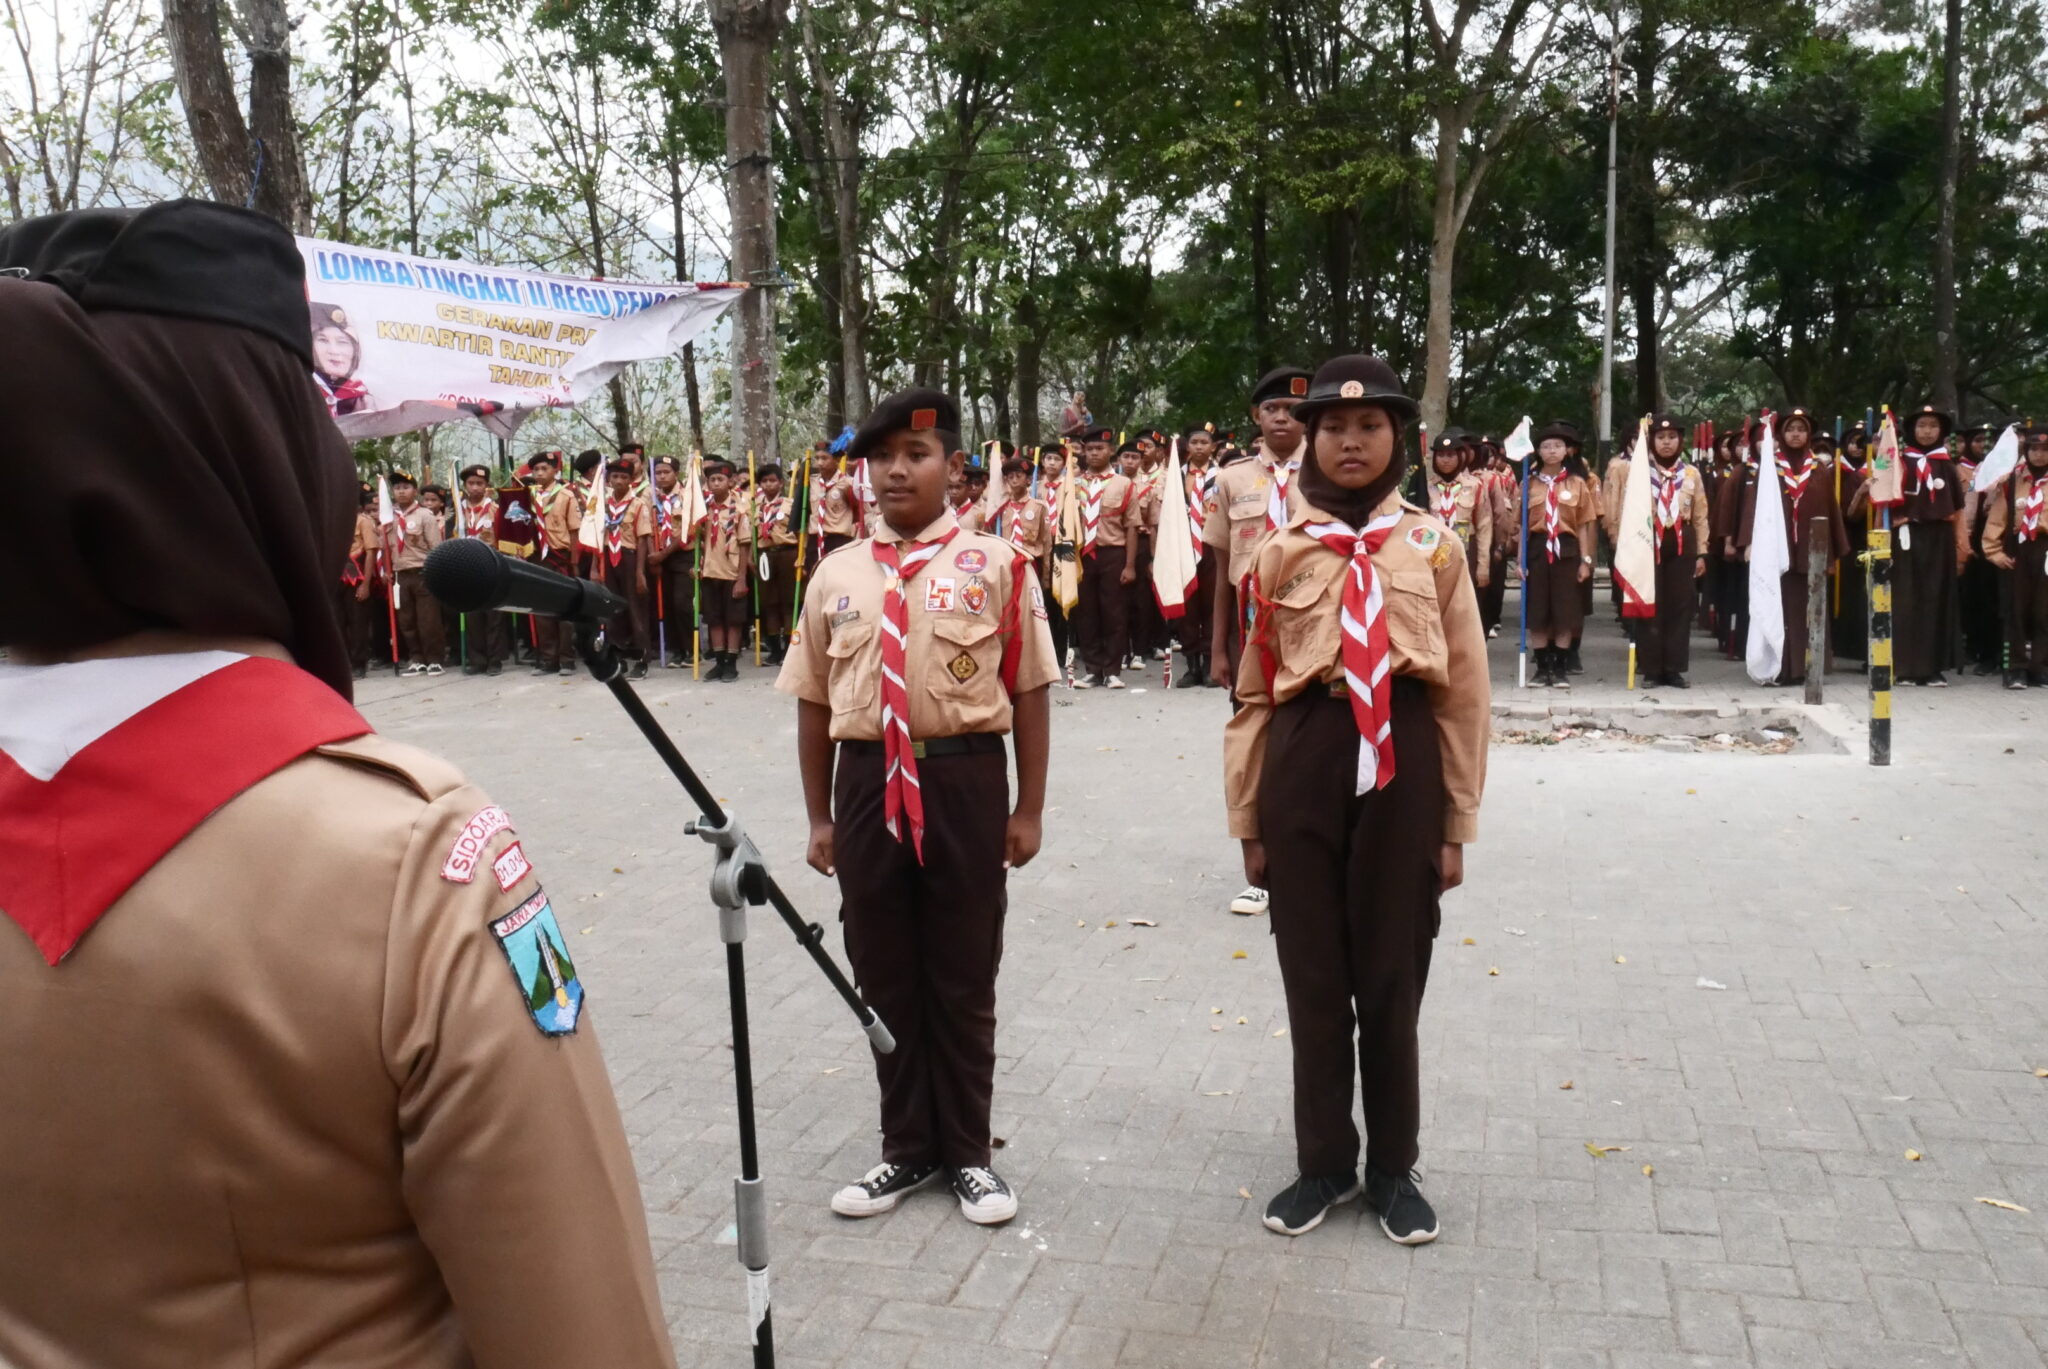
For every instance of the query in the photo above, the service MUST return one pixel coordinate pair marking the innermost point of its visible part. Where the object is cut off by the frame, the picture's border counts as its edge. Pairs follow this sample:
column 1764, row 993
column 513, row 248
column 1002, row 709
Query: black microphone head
column 467, row 574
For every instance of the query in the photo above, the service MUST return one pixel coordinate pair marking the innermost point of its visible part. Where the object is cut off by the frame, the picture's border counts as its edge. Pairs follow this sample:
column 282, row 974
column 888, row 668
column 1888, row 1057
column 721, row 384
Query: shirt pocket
column 1415, row 624
column 854, row 668
column 966, row 655
column 1306, row 630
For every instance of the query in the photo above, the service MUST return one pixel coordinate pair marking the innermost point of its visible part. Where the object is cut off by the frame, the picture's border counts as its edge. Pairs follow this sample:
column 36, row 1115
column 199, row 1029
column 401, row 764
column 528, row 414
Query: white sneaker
column 1116, row 682
column 985, row 1199
column 434, row 670
column 1083, row 682
column 882, row 1189
column 1250, row 903
column 416, row 668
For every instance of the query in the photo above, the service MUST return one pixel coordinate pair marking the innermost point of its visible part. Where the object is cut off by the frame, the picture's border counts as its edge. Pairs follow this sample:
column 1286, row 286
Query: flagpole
column 1522, row 556
column 754, row 493
column 803, row 532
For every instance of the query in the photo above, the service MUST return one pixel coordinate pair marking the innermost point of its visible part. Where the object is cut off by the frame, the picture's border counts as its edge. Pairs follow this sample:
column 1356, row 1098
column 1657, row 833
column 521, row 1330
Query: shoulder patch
column 1424, row 537
column 541, row 969
column 973, row 560
column 511, row 867
column 467, row 850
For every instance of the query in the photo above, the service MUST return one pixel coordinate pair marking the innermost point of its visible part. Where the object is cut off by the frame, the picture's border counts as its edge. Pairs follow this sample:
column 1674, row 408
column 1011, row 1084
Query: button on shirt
column 978, row 636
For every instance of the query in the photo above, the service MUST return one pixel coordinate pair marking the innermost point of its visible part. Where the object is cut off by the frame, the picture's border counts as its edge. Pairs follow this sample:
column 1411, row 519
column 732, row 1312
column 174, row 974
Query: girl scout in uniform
column 1559, row 518
column 1353, row 773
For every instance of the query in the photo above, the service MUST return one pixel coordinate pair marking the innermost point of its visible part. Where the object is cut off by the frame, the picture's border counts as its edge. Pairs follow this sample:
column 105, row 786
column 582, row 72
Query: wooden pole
column 1816, row 607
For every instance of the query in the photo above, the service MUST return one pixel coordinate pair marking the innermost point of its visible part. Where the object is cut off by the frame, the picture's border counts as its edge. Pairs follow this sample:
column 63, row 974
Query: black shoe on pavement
column 362, row 672
column 1301, row 1206
column 984, row 1198
column 1937, row 680
column 543, row 670
column 1572, row 664
column 882, row 1189
column 568, row 669
column 1405, row 1215
column 494, row 669
column 1677, row 681
column 2014, row 680
column 1191, row 678
column 639, row 670
column 472, row 670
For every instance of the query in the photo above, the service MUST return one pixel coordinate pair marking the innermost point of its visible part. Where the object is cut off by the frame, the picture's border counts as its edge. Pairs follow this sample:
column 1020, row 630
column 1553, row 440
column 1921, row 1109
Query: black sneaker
column 1302, row 1205
column 1937, row 680
column 2014, row 680
column 882, row 1189
column 984, row 1198
column 1405, row 1215
column 543, row 670
column 1677, row 681
column 567, row 669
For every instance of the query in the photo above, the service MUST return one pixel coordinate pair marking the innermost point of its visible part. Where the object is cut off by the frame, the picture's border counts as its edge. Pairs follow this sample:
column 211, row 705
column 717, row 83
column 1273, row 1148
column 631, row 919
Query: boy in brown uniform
column 670, row 564
column 1806, row 488
column 557, row 515
column 1021, row 520
column 1927, row 551
column 1353, row 775
column 2016, row 541
column 628, row 537
column 352, row 597
column 916, row 653
column 416, row 531
column 1109, row 526
column 723, row 598
column 486, row 635
column 1252, row 500
column 775, row 537
column 835, row 510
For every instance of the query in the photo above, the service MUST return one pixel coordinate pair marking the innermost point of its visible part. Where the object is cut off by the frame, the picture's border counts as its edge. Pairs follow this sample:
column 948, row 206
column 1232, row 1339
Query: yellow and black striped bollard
column 1879, row 560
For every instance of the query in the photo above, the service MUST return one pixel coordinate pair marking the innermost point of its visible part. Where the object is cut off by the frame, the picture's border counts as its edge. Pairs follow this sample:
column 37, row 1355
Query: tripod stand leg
column 750, row 1195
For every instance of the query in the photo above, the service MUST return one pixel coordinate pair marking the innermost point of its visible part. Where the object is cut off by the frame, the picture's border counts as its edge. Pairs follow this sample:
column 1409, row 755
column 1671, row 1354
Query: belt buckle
column 1340, row 689
column 917, row 749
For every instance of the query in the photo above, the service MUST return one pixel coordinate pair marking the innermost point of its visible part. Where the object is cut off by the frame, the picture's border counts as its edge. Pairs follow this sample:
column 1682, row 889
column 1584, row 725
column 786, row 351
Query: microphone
column 469, row 575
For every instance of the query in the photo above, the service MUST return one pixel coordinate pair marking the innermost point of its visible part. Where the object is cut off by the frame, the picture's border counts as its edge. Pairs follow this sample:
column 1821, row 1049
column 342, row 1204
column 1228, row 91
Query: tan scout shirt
column 1027, row 524
column 1235, row 520
column 977, row 638
column 772, row 527
column 422, row 531
column 723, row 538
column 1471, row 504
column 561, row 514
column 1692, row 505
column 1118, row 523
column 362, row 546
column 832, row 504
column 286, row 1105
column 1577, row 511
column 1433, row 633
column 634, row 517
column 1999, row 514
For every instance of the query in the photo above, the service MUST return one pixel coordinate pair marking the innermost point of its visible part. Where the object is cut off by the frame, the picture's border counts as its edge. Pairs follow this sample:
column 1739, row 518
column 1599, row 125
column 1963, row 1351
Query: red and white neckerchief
column 1368, row 660
column 1446, row 496
column 1200, row 488
column 543, row 504
column 1010, row 522
column 106, row 765
column 771, row 512
column 615, row 511
column 1552, row 541
column 2030, row 509
column 1795, row 486
column 664, row 515
column 1091, row 513
column 721, row 521
column 1920, row 464
column 480, row 520
column 902, row 796
column 1669, row 484
column 1276, row 497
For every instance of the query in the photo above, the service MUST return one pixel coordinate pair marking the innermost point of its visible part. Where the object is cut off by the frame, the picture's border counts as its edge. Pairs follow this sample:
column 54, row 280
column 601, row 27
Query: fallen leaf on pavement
column 1110, row 923
column 1597, row 1151
column 1493, row 969
column 835, row 1069
column 1216, row 1093
column 1705, row 983
column 1215, row 1010
column 1244, row 1193
column 1216, row 1027
column 1692, row 791
column 1649, row 1170
column 1912, row 1155
column 1281, row 1032
column 1514, row 931
column 1242, row 1020
column 1143, row 922
column 1566, row 1084
column 2041, row 1074
column 617, row 871
column 1470, row 942
column 1078, row 922
column 996, row 1143
column 1237, row 955
column 1621, row 960
column 2000, row 1202
column 588, row 930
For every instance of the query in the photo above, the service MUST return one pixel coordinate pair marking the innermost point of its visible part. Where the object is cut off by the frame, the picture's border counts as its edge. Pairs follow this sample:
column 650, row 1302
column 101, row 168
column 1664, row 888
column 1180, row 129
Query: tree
column 252, row 159
column 747, row 31
column 1945, row 341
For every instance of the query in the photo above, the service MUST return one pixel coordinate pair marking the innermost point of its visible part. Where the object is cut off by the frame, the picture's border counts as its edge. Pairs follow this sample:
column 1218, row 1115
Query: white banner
column 403, row 342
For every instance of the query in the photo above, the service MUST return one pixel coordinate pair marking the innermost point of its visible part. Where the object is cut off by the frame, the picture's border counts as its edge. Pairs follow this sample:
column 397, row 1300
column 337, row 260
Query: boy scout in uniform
column 917, row 651
column 416, row 531
column 670, row 563
column 1021, row 520
column 557, row 516
column 1806, row 491
column 2016, row 542
column 1353, row 773
column 1109, row 528
column 352, row 597
column 488, row 635
column 628, row 537
column 1678, row 502
column 300, row 1071
column 836, row 510
column 723, row 546
column 775, row 537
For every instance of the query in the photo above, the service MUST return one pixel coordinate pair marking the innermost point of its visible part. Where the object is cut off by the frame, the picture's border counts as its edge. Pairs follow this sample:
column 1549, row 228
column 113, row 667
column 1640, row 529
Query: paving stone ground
column 1874, row 945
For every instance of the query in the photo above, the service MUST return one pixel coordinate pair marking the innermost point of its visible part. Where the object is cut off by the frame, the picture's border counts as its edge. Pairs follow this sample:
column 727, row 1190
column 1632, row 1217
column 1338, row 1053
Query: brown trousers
column 1197, row 621
column 355, row 625
column 2024, row 602
column 778, row 591
column 1557, row 604
column 1354, row 885
column 1924, row 631
column 555, row 638
column 633, row 638
column 488, row 638
column 925, row 941
column 419, row 620
column 1664, row 643
column 1102, row 613
column 678, row 601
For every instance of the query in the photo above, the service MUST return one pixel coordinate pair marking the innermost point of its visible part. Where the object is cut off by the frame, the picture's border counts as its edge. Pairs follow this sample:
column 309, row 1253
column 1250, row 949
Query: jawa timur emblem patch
column 539, row 956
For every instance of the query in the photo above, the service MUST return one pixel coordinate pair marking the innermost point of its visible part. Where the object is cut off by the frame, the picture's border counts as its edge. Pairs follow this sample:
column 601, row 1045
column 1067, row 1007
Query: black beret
column 1797, row 411
column 917, row 410
column 1948, row 423
column 1449, row 439
column 467, row 471
column 1355, row 379
column 1564, row 431
column 182, row 258
column 1282, row 382
column 552, row 458
column 1099, row 433
column 668, row 461
column 402, row 478
column 1665, row 423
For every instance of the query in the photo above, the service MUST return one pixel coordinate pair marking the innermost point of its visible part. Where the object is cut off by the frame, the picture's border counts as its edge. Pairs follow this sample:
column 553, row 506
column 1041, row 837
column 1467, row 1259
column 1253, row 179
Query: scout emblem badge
column 541, row 969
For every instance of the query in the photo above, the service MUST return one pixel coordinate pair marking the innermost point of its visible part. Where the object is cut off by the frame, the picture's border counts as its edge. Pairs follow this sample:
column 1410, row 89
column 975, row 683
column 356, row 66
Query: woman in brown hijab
column 273, row 1097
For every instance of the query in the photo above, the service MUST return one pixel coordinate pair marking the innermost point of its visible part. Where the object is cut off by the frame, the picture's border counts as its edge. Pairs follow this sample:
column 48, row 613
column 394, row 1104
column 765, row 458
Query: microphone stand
column 738, row 879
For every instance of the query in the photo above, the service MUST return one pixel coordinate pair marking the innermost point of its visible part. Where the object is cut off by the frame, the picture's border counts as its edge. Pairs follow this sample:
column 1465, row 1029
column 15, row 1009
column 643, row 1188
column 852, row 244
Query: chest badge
column 963, row 667
column 541, row 969
column 972, row 560
column 938, row 595
column 1422, row 539
column 974, row 595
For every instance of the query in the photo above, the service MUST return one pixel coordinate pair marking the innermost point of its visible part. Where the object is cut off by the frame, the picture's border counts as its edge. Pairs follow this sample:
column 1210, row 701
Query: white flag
column 1998, row 463
column 1635, row 533
column 1173, row 550
column 1770, row 555
column 1518, row 447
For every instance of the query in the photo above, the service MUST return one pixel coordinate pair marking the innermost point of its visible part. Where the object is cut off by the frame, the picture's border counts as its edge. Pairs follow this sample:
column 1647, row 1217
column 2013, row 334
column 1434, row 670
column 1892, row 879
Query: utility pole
column 1947, row 346
column 1607, row 306
column 747, row 30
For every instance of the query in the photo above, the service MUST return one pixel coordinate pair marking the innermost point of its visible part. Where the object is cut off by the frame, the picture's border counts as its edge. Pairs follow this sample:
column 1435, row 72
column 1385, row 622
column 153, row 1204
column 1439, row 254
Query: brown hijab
column 165, row 472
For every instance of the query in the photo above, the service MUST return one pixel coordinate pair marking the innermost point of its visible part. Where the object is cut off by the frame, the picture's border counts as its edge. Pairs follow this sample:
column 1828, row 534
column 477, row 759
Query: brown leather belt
column 968, row 744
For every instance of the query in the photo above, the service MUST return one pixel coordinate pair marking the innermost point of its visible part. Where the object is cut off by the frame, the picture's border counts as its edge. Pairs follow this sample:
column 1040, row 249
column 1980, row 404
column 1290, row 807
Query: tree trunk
column 1946, row 344
column 1443, row 257
column 747, row 31
column 1030, row 370
column 281, row 191
column 685, row 273
column 228, row 143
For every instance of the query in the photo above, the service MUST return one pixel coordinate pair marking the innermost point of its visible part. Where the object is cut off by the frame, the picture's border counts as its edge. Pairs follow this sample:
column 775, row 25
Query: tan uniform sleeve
column 1482, row 527
column 1702, row 531
column 1216, row 518
column 1463, row 705
column 1028, row 661
column 1244, row 736
column 1614, row 487
column 515, row 1159
column 1995, row 518
column 806, row 669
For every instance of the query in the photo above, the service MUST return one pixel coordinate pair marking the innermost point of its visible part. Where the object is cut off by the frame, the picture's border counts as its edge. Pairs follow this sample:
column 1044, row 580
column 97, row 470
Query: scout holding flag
column 1658, row 524
column 2014, row 493
column 917, row 651
column 1353, row 773
column 1929, row 551
column 1197, row 625
column 1176, row 554
column 776, row 545
column 1109, row 523
column 486, row 636
column 1808, row 491
column 558, row 517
